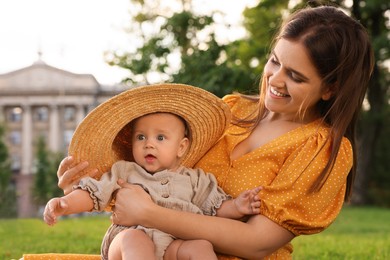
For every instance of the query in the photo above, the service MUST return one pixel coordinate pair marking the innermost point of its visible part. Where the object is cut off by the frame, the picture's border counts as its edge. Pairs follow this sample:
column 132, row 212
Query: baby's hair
column 186, row 128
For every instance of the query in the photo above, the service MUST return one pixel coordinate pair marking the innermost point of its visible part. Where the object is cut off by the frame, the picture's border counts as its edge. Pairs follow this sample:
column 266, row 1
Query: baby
column 159, row 143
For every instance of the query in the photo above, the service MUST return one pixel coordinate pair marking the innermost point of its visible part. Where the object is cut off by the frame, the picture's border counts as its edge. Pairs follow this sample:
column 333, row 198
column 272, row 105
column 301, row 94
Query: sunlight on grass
column 71, row 235
column 358, row 233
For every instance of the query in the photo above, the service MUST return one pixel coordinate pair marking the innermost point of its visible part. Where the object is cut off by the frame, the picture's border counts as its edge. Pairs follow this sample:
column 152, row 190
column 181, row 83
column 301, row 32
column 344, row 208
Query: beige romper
column 187, row 189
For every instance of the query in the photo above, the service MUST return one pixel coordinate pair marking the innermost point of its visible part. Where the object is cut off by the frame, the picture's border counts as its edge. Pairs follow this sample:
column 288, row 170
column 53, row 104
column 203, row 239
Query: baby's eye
column 140, row 137
column 160, row 137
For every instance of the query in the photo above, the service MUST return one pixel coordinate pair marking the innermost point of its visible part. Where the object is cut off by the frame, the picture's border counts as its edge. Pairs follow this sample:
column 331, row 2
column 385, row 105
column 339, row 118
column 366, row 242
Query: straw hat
column 104, row 137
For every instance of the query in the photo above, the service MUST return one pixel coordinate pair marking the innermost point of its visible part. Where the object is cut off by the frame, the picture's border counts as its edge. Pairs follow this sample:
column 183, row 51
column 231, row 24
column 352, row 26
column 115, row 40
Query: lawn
column 70, row 235
column 358, row 233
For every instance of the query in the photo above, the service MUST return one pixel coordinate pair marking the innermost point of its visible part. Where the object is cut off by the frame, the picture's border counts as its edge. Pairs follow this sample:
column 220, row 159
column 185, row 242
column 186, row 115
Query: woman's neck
column 296, row 119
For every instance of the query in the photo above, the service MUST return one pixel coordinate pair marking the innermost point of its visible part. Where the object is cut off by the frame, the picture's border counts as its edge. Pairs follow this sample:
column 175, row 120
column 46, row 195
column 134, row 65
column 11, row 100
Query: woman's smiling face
column 293, row 84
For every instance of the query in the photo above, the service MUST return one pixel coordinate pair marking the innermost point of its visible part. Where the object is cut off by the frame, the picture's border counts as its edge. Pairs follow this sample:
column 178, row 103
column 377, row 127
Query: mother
column 297, row 140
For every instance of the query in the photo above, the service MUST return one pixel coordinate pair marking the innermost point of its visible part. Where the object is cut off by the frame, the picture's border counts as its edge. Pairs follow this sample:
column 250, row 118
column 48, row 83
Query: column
column 80, row 114
column 54, row 135
column 26, row 140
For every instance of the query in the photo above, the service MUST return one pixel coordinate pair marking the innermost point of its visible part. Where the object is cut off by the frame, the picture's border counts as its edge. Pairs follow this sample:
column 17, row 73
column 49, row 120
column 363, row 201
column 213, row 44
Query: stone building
column 43, row 101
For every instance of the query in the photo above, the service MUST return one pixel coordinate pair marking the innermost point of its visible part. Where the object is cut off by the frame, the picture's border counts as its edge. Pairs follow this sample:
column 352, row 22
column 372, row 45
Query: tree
column 41, row 183
column 209, row 67
column 45, row 181
column 152, row 42
column 373, row 171
column 190, row 40
column 261, row 23
column 7, row 191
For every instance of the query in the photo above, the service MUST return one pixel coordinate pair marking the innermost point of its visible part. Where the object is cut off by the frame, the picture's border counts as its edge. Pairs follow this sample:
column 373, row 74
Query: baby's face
column 158, row 141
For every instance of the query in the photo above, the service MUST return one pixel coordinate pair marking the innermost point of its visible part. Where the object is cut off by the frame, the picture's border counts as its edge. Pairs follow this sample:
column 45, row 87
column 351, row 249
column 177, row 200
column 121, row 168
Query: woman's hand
column 132, row 203
column 69, row 175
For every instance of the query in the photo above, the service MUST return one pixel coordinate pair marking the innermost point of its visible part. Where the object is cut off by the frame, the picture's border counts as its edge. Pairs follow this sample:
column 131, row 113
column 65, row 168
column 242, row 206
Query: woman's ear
column 183, row 146
column 328, row 93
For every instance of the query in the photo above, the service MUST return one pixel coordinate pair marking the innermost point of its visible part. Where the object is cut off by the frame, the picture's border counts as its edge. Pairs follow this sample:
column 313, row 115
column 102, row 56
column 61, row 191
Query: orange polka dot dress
column 286, row 167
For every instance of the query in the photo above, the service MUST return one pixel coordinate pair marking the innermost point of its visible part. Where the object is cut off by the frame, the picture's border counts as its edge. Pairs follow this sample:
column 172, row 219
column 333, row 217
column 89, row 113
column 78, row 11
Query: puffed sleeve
column 101, row 191
column 287, row 200
column 242, row 106
column 231, row 99
column 208, row 196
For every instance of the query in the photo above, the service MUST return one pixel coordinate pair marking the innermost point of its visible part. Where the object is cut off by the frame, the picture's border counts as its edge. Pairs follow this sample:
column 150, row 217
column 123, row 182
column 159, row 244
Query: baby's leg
column 131, row 244
column 190, row 250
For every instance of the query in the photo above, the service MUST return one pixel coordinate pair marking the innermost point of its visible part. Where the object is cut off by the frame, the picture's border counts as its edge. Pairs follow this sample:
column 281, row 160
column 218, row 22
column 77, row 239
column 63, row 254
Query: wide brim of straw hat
column 104, row 136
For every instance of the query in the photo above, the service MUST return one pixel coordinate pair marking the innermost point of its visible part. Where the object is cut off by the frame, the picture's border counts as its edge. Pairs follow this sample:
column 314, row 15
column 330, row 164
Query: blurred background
column 60, row 59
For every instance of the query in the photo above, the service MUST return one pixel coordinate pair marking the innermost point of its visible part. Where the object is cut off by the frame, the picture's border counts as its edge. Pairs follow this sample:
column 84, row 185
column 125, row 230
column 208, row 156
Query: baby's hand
column 54, row 208
column 248, row 202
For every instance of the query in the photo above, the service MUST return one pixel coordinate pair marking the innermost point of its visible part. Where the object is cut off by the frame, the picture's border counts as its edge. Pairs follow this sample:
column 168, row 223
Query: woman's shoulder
column 322, row 129
column 238, row 99
column 319, row 133
column 241, row 105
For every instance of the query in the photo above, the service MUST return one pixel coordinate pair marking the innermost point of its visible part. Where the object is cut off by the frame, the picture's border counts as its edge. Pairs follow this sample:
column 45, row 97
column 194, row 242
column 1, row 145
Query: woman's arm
column 255, row 239
column 262, row 236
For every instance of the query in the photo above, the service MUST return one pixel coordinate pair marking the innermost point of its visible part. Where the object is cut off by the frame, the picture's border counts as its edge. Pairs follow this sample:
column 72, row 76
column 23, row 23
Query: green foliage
column 7, row 191
column 373, row 179
column 5, row 168
column 261, row 22
column 378, row 185
column 201, row 68
column 45, row 181
column 41, row 183
column 204, row 67
column 184, row 27
column 203, row 61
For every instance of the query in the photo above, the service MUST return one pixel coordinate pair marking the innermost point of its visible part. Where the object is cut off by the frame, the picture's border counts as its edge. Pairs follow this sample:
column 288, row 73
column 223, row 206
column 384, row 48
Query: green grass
column 358, row 233
column 70, row 235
